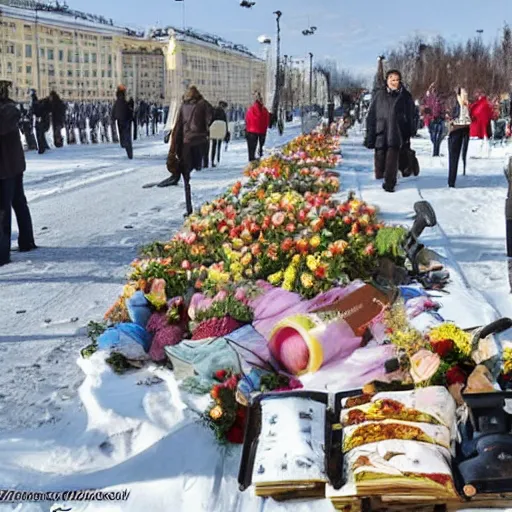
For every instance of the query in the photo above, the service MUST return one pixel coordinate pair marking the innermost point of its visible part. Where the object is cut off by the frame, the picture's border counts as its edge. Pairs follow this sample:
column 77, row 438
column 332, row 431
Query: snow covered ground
column 60, row 430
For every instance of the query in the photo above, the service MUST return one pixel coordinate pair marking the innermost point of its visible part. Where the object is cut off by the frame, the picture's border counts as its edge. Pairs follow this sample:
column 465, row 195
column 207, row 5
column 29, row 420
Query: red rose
column 443, row 347
column 220, row 375
column 232, row 382
column 455, row 375
column 235, row 435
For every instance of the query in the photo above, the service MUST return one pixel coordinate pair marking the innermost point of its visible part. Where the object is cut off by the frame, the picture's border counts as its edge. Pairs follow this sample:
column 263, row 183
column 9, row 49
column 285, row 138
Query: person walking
column 257, row 121
column 12, row 167
column 389, row 127
column 434, row 104
column 188, row 140
column 219, row 127
column 458, row 140
column 58, row 112
column 481, row 114
column 123, row 115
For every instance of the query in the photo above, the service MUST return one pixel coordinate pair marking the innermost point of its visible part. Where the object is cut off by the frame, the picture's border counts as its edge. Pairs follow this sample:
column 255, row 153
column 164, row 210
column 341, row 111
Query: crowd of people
column 394, row 118
column 77, row 119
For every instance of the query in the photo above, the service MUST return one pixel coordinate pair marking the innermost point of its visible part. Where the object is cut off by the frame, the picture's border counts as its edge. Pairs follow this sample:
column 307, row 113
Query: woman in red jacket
column 481, row 114
column 257, row 120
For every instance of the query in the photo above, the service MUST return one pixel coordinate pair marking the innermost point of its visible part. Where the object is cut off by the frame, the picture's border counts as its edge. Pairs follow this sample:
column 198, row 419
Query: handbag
column 408, row 162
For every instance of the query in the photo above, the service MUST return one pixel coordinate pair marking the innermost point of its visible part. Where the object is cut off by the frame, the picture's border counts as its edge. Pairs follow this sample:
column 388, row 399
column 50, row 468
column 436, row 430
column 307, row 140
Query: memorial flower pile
column 283, row 226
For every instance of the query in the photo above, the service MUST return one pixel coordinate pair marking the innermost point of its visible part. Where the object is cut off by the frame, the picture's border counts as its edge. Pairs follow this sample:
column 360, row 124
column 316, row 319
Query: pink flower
column 278, row 218
column 222, row 295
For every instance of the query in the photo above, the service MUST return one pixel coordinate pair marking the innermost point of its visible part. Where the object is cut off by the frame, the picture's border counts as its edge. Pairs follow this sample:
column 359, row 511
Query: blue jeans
column 436, row 128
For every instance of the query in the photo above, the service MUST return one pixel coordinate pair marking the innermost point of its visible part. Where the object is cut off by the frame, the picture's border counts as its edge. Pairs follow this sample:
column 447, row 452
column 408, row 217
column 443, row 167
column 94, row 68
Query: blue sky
column 353, row 32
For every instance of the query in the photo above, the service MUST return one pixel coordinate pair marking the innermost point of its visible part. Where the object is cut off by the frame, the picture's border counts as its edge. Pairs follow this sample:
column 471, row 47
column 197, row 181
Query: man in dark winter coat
column 188, row 140
column 41, row 109
column 12, row 167
column 122, row 113
column 389, row 127
column 219, row 114
column 58, row 111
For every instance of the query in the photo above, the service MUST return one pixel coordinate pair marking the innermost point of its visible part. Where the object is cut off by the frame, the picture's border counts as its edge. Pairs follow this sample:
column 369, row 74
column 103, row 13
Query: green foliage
column 229, row 306
column 118, row 363
column 94, row 331
column 389, row 242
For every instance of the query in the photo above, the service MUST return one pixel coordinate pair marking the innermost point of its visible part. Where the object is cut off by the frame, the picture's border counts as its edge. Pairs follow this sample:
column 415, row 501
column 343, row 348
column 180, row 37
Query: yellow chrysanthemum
column 275, row 278
column 246, row 259
column 460, row 338
column 237, row 243
column 311, row 262
column 315, row 241
column 296, row 260
column 218, row 276
column 507, row 360
column 306, row 280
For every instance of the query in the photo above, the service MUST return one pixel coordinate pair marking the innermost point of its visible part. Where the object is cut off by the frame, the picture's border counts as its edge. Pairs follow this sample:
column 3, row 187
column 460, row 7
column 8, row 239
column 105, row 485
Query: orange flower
column 338, row 247
column 302, row 246
column 256, row 249
column 286, row 244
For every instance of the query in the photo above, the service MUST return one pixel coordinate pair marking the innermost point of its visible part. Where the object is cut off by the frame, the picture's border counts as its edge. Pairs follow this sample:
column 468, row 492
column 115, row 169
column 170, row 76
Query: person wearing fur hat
column 389, row 127
column 188, row 140
column 123, row 115
column 12, row 167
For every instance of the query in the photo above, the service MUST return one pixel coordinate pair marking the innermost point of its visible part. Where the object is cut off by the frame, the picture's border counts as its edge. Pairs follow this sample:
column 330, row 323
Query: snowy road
column 121, row 432
column 90, row 215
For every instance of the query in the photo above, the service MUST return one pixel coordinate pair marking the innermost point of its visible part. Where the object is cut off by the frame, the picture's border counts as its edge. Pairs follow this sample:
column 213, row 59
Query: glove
column 172, row 163
column 368, row 145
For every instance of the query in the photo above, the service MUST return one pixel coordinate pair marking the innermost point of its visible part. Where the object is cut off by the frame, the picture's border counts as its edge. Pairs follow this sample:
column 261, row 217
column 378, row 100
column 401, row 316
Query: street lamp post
column 275, row 104
column 310, row 80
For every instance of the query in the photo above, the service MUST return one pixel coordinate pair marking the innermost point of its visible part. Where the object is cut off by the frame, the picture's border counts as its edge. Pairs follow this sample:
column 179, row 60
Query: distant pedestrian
column 12, row 167
column 434, row 104
column 218, row 131
column 481, row 113
column 123, row 115
column 257, row 122
column 188, row 140
column 458, row 140
column 389, row 127
column 58, row 112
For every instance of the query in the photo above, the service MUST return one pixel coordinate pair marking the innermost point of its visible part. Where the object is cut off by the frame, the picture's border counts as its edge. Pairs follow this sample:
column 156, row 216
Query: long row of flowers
column 282, row 229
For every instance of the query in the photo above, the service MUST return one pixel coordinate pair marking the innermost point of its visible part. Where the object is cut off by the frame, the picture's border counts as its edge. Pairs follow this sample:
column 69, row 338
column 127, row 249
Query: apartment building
column 85, row 57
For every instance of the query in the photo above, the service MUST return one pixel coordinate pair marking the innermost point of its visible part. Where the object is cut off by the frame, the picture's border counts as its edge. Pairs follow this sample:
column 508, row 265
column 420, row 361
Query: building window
column 50, row 54
column 10, row 49
column 86, row 57
column 70, row 56
column 93, row 58
column 28, row 51
column 28, row 70
column 9, row 67
column 41, row 52
column 70, row 72
column 61, row 55
column 94, row 73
